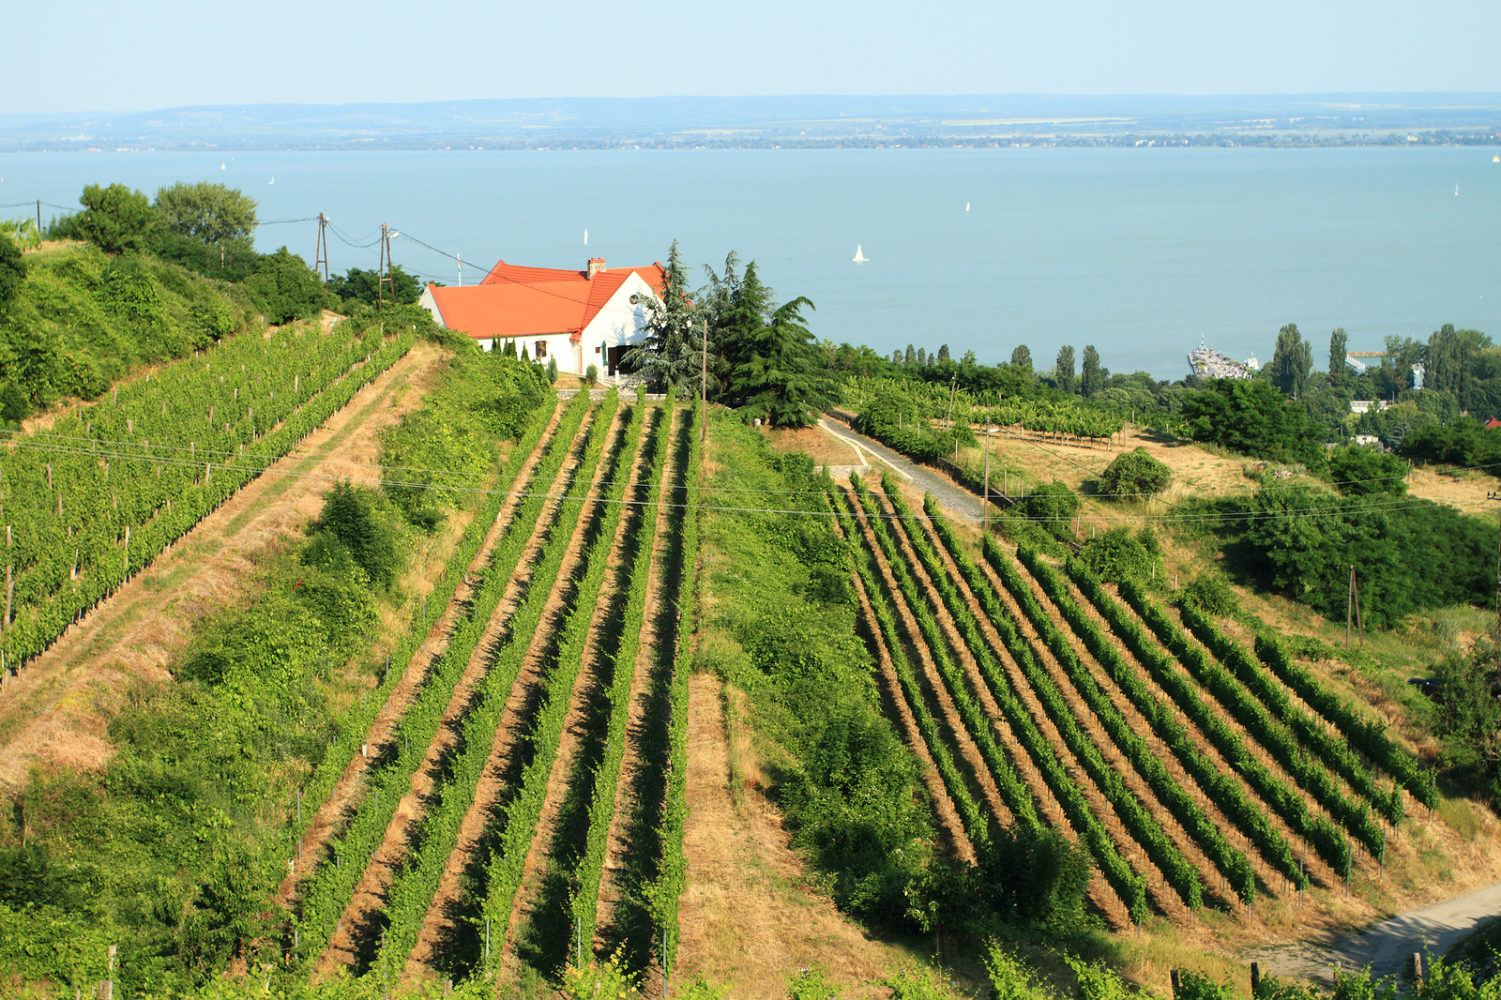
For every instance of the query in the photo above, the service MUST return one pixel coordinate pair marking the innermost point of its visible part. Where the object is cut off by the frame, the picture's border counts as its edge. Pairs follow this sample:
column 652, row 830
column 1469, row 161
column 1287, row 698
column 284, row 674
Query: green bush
column 351, row 519
column 285, row 288
column 1118, row 555
column 1135, row 475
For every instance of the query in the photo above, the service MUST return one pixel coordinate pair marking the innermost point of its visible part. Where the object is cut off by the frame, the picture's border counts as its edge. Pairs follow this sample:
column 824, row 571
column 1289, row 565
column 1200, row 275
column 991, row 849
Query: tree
column 783, row 381
column 114, row 218
column 12, row 271
column 1093, row 378
column 1291, row 362
column 910, row 357
column 1063, row 368
column 669, row 357
column 285, row 288
column 943, row 354
column 1251, row 417
column 1135, row 474
column 1338, row 350
column 364, row 286
column 1360, row 471
column 206, row 212
column 922, row 356
column 1021, row 357
column 735, row 319
column 896, row 356
column 1051, row 504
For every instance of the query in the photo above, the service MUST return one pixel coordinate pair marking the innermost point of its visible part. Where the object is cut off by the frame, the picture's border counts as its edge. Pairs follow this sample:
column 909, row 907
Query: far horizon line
column 1364, row 95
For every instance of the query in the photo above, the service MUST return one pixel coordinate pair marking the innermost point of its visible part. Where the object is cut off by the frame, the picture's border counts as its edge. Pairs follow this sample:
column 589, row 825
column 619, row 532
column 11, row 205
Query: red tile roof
column 516, row 301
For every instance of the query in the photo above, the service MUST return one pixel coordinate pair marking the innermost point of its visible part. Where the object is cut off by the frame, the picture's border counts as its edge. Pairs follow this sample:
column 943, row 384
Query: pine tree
column 669, row 356
column 783, row 379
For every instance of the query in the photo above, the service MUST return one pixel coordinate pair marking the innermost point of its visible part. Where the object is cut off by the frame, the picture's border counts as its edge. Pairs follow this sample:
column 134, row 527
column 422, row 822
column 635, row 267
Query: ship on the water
column 1206, row 362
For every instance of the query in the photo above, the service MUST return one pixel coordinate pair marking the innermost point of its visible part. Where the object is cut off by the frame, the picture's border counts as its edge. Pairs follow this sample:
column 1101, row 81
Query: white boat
column 1456, row 190
column 221, row 166
column 586, row 237
column 966, row 206
column 1496, row 158
column 859, row 257
column 271, row 181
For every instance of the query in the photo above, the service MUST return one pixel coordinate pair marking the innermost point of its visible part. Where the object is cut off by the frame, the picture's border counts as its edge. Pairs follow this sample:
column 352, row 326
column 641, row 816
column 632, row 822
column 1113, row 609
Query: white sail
column 586, row 237
column 859, row 257
column 966, row 206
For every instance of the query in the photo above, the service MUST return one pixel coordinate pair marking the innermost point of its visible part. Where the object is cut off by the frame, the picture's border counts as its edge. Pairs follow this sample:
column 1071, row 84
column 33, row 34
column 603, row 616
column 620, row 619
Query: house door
column 612, row 359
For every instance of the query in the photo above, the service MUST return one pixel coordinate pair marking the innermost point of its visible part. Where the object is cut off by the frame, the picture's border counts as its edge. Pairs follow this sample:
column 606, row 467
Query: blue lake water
column 1143, row 253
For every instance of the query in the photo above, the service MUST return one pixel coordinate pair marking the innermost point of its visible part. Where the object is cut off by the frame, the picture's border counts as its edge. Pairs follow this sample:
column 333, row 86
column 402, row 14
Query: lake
column 1143, row 253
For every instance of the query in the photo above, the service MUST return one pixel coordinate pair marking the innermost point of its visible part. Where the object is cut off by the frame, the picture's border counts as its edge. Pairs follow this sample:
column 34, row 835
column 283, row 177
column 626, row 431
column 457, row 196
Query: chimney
column 596, row 264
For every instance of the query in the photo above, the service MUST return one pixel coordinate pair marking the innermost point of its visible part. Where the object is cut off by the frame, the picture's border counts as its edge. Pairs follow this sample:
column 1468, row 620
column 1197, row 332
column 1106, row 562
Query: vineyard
column 90, row 501
column 526, row 807
column 1193, row 772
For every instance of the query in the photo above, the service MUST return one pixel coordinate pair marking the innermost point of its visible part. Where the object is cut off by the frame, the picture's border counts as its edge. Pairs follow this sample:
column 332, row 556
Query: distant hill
column 689, row 122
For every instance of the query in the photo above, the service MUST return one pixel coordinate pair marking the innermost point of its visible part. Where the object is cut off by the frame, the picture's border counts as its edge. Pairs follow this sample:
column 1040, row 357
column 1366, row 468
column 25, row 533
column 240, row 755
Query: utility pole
column 985, row 517
column 703, row 399
column 953, row 387
column 460, row 258
column 39, row 218
column 321, row 251
column 384, row 279
column 1353, row 604
column 1492, row 495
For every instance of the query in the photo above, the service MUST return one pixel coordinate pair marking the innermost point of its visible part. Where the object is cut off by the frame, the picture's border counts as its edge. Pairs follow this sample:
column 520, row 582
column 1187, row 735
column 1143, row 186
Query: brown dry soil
column 818, row 444
column 749, row 917
column 57, row 711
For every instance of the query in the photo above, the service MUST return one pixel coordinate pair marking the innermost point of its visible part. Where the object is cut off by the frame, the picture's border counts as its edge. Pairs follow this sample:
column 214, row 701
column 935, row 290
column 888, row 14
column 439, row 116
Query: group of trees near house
column 757, row 355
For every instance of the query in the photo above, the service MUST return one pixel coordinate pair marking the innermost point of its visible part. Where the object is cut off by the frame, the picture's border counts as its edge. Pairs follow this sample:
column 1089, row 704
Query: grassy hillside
column 81, row 320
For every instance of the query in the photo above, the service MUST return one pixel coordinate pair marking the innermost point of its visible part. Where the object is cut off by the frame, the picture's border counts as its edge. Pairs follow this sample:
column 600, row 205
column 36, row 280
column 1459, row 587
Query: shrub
column 1119, row 555
column 351, row 519
column 1135, row 474
column 1211, row 593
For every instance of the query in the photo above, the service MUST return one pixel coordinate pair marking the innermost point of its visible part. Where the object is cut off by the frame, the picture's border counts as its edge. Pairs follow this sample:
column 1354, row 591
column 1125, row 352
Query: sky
column 116, row 55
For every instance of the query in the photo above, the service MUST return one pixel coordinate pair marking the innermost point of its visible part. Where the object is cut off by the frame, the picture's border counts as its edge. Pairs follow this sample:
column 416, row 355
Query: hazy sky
column 118, row 55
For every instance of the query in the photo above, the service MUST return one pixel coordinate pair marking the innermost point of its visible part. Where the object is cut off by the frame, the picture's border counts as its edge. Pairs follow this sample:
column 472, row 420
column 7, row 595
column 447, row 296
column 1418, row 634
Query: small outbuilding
column 577, row 318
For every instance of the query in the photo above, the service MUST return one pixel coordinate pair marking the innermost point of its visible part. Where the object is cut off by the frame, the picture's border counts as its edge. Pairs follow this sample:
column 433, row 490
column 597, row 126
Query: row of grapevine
column 1165, row 854
column 1336, row 755
column 1324, row 836
column 585, row 879
column 1144, row 828
column 409, row 899
column 937, row 401
column 664, row 893
column 976, row 821
column 85, row 513
column 1310, row 775
column 1128, row 884
column 358, row 719
column 326, row 896
column 971, row 713
column 1222, row 788
column 1231, row 862
column 1368, row 737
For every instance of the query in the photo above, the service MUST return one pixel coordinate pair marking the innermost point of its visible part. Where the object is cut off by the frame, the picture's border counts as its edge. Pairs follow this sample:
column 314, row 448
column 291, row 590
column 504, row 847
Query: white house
column 578, row 318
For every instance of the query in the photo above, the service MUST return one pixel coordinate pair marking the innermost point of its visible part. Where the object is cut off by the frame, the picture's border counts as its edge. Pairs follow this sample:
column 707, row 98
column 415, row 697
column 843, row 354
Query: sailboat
column 966, row 206
column 1456, row 190
column 272, row 180
column 859, row 257
column 586, row 237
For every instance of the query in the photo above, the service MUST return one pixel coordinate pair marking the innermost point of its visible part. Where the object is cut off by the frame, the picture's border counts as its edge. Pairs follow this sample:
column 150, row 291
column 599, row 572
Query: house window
column 541, row 352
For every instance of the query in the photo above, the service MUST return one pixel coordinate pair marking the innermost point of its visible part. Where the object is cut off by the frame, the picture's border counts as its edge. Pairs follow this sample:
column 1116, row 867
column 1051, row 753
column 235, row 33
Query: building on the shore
column 578, row 318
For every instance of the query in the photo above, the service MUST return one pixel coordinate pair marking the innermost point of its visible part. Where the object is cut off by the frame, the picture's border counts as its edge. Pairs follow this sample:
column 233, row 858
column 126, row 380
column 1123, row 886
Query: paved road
column 1386, row 947
column 952, row 496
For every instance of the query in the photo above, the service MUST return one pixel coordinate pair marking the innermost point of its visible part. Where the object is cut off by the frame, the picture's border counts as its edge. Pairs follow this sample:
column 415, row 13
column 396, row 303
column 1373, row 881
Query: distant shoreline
column 789, row 122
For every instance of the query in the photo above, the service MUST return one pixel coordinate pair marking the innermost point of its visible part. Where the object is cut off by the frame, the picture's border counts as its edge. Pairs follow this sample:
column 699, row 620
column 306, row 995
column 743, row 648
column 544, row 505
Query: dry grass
column 750, row 916
column 819, row 445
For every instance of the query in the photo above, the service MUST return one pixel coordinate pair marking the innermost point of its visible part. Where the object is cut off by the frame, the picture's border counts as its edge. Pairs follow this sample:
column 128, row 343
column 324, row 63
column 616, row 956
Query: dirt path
column 345, row 944
column 332, row 811
column 1386, row 946
column 57, row 711
column 747, row 916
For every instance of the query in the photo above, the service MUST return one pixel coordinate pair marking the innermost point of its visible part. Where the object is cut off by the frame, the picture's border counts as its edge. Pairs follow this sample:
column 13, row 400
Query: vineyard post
column 703, row 399
column 127, row 551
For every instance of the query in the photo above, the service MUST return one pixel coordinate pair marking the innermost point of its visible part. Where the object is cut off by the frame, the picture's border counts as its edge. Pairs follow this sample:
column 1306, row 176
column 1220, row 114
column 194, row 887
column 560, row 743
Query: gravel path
column 1387, row 947
column 948, row 493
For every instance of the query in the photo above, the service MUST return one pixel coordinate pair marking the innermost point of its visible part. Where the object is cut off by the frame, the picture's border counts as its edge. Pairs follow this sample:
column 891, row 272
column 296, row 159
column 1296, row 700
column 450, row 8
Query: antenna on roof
column 460, row 258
